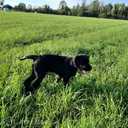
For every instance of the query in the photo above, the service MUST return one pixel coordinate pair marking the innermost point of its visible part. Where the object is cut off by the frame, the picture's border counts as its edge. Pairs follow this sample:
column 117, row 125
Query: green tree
column 74, row 11
column 115, row 10
column 29, row 8
column 20, row 7
column 121, row 12
column 63, row 8
column 126, row 12
column 102, row 11
column 81, row 11
column 46, row 9
column 109, row 8
column 94, row 7
column 62, row 4
column 106, row 10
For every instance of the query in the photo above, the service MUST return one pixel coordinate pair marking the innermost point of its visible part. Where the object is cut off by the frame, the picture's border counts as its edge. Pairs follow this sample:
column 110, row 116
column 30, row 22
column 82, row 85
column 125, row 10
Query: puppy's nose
column 89, row 68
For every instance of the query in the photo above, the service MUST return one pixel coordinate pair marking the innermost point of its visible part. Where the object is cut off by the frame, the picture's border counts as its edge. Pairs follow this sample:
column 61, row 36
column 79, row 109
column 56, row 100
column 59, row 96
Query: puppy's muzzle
column 88, row 68
column 85, row 69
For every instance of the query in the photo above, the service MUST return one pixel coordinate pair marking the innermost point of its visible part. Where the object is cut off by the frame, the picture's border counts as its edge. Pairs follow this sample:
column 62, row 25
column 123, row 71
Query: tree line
column 94, row 9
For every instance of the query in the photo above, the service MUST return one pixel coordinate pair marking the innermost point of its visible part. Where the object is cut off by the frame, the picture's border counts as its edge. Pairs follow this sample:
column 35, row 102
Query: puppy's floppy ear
column 77, row 60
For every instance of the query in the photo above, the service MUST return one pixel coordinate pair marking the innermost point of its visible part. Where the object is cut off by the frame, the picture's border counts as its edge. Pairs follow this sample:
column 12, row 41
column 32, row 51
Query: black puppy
column 65, row 67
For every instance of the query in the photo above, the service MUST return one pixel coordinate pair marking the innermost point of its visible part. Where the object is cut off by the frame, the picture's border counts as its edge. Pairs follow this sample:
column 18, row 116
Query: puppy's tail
column 33, row 57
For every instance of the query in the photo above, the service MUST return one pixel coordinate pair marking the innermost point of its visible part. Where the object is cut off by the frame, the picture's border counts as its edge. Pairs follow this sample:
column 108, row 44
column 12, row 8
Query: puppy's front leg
column 59, row 79
column 66, row 80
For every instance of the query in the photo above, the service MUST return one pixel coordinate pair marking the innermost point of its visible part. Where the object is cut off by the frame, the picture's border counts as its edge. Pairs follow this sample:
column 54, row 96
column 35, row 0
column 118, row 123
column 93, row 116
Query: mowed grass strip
column 32, row 28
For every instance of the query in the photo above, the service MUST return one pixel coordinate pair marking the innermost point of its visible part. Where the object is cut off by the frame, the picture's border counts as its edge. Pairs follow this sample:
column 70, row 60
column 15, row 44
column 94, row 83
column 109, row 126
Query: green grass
column 96, row 100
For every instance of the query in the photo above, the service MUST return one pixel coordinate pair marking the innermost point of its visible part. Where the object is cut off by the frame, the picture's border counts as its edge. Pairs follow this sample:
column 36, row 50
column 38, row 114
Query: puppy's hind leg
column 66, row 80
column 27, row 84
column 40, row 74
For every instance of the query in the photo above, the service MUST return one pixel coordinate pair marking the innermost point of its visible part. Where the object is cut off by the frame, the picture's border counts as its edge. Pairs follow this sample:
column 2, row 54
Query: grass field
column 96, row 100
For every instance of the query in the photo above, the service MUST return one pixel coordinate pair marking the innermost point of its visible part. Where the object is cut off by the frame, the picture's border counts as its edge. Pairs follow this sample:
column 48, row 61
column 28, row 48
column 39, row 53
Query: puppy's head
column 82, row 63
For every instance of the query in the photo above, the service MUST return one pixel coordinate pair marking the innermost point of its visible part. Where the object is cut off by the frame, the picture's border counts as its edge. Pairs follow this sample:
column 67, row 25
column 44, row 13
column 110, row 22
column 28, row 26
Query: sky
column 55, row 3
